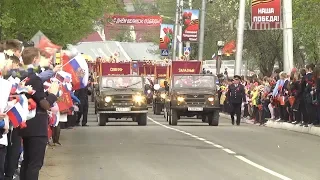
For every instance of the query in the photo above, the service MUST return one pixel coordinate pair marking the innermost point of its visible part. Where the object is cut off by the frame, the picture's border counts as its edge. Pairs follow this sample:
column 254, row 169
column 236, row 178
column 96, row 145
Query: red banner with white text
column 116, row 68
column 265, row 14
column 186, row 67
column 146, row 69
column 141, row 20
column 161, row 71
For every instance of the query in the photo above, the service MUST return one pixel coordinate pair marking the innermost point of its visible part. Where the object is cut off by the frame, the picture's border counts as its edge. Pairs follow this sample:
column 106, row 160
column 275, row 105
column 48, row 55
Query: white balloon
column 74, row 52
column 156, row 86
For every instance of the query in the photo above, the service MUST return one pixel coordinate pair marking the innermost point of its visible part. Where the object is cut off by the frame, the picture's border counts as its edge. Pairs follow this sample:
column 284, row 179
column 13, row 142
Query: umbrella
column 87, row 57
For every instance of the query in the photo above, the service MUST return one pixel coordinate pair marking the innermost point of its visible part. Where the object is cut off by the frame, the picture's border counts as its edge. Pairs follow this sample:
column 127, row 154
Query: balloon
column 162, row 82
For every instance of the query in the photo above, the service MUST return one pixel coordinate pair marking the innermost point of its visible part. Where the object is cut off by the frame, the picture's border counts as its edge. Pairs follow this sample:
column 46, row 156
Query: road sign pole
column 176, row 26
column 188, row 42
column 180, row 28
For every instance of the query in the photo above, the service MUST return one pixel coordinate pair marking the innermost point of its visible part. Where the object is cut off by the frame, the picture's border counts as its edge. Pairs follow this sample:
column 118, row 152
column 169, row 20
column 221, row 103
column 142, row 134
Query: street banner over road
column 265, row 14
column 116, row 68
column 186, row 67
column 142, row 20
column 190, row 19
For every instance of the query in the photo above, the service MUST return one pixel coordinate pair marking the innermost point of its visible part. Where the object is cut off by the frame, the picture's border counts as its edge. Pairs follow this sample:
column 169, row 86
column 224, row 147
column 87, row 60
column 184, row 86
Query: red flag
column 64, row 101
column 229, row 48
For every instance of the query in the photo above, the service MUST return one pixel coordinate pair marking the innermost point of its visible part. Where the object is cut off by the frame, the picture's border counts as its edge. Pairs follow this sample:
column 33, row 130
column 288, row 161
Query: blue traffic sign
column 164, row 52
column 186, row 51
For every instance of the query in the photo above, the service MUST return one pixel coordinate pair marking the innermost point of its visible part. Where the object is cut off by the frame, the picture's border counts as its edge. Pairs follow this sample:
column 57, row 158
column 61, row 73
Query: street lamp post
column 241, row 20
column 287, row 36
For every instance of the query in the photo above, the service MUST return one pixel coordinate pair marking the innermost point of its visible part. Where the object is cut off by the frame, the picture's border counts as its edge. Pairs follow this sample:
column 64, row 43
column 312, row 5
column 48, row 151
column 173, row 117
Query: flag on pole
column 79, row 70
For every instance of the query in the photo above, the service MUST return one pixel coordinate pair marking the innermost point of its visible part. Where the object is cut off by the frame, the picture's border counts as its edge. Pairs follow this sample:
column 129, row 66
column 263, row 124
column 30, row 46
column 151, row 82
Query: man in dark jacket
column 35, row 135
column 308, row 95
column 83, row 94
column 235, row 96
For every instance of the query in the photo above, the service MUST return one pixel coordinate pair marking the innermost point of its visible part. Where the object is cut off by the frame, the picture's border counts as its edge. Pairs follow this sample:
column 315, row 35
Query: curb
column 227, row 116
column 284, row 125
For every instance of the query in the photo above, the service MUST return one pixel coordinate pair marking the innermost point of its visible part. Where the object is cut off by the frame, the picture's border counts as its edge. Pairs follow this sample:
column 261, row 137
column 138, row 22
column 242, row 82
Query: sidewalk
column 284, row 125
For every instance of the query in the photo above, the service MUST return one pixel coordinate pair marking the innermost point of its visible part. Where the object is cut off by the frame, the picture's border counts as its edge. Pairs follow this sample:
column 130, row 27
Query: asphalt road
column 190, row 151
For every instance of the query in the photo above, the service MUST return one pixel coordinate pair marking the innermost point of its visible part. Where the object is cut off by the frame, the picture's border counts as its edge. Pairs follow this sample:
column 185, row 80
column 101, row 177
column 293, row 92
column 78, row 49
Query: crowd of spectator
column 282, row 97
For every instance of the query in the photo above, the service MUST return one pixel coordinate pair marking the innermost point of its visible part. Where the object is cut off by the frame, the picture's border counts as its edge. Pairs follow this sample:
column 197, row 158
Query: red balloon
column 187, row 22
column 185, row 15
column 166, row 39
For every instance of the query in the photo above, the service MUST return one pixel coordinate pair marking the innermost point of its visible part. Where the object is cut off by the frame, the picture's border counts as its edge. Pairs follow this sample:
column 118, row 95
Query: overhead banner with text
column 166, row 34
column 116, row 68
column 142, row 20
column 186, row 67
column 190, row 29
column 265, row 14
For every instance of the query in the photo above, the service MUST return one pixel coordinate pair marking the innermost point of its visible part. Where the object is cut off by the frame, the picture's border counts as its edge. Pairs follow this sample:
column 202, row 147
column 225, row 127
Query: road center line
column 243, row 159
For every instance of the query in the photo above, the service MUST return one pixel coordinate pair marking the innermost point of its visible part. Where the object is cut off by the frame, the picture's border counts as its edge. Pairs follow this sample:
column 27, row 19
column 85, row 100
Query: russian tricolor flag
column 46, row 86
column 54, row 119
column 79, row 70
column 15, row 115
column 59, row 77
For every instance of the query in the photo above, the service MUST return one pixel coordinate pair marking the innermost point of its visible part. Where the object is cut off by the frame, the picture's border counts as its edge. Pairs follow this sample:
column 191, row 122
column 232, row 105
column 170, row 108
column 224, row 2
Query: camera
column 210, row 1
column 28, row 44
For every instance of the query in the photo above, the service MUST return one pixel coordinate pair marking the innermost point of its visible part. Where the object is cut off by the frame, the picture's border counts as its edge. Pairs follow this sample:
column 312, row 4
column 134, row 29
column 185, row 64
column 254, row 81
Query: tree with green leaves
column 63, row 21
column 263, row 48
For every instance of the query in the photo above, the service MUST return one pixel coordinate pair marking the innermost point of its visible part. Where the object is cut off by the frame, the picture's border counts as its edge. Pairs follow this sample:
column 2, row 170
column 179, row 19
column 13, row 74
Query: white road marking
column 225, row 150
column 228, row 151
column 201, row 139
column 208, row 142
column 262, row 168
column 218, row 146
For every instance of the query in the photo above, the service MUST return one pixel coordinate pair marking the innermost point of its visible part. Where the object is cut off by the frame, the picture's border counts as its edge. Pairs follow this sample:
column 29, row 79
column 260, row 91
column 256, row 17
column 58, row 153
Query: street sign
column 164, row 52
column 187, row 51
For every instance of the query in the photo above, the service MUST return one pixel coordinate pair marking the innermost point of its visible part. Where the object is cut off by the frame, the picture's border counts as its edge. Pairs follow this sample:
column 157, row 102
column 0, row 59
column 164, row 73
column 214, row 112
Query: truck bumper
column 205, row 109
column 113, row 111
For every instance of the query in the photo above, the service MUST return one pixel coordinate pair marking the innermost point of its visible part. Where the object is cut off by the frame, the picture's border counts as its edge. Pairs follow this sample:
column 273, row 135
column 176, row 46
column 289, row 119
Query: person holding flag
column 35, row 134
column 79, row 70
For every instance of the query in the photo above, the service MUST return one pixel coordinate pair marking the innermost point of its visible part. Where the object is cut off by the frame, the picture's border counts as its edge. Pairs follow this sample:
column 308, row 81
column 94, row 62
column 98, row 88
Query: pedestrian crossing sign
column 164, row 52
column 187, row 51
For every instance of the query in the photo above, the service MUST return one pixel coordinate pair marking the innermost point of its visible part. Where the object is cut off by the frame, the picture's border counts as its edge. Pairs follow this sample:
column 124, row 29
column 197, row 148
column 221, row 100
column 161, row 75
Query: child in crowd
column 35, row 134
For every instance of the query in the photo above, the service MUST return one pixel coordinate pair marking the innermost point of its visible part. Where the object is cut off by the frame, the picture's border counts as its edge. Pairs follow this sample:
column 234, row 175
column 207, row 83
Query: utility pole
column 241, row 22
column 188, row 42
column 287, row 36
column 176, row 25
column 180, row 28
column 202, row 25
